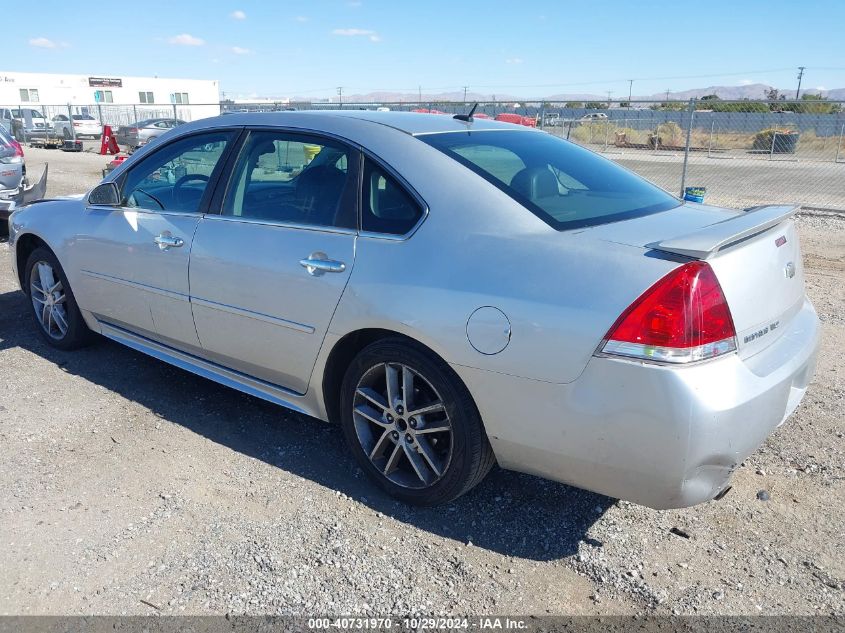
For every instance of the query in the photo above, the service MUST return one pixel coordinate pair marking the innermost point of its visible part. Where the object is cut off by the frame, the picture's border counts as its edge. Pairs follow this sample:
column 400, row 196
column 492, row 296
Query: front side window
column 175, row 177
column 386, row 206
column 566, row 186
column 290, row 178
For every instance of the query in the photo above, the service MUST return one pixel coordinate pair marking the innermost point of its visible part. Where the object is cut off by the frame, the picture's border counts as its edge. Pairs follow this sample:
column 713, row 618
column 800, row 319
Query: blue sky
column 290, row 47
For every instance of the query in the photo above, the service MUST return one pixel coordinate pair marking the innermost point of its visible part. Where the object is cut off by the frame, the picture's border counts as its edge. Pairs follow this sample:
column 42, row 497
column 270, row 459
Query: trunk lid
column 755, row 255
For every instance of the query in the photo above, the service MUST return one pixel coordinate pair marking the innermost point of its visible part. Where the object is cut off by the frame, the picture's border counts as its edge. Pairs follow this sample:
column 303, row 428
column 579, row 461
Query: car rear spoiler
column 706, row 242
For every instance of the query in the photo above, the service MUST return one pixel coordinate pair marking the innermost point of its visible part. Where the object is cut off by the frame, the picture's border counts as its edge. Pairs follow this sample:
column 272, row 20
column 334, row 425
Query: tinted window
column 287, row 178
column 386, row 206
column 175, row 177
column 565, row 185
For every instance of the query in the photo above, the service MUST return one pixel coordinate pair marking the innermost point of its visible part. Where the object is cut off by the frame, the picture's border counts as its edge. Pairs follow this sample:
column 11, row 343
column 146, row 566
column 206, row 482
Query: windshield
column 566, row 186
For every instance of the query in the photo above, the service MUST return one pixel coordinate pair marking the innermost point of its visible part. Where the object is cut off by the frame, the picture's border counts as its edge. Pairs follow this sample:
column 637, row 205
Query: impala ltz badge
column 789, row 270
column 780, row 241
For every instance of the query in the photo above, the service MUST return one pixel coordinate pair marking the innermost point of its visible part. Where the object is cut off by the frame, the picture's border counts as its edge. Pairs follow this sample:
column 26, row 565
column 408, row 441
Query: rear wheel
column 54, row 307
column 412, row 424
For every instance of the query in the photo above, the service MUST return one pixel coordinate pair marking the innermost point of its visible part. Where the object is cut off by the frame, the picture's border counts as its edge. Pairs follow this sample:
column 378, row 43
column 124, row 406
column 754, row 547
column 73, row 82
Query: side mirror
column 106, row 194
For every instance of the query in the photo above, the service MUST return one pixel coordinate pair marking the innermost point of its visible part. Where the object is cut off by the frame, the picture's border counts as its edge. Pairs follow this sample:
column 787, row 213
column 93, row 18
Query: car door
column 133, row 259
column 268, row 271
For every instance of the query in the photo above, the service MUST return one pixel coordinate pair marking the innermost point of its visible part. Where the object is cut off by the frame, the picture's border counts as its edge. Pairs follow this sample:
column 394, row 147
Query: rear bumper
column 665, row 437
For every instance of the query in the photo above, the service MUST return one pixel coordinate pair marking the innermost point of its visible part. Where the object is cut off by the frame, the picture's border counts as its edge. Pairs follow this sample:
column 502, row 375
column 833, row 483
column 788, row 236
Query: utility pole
column 465, row 94
column 609, row 92
column 419, row 88
column 340, row 95
column 800, row 76
column 630, row 88
column 667, row 96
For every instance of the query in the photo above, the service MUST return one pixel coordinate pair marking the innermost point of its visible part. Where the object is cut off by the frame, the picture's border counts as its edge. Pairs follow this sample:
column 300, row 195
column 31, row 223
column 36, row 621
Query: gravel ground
column 131, row 487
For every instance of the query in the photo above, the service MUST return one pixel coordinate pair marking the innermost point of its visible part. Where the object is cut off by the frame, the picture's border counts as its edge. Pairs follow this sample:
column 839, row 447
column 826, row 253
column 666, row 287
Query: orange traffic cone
column 108, row 144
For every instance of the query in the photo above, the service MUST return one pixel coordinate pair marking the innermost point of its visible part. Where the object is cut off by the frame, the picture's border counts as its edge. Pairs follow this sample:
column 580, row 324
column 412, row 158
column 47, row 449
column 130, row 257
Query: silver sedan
column 453, row 292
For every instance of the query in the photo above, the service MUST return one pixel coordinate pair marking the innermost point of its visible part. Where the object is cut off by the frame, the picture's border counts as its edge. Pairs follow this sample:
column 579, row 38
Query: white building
column 113, row 99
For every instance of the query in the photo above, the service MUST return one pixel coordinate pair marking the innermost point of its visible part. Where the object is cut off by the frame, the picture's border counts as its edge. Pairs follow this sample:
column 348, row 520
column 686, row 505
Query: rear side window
column 291, row 178
column 564, row 185
column 386, row 206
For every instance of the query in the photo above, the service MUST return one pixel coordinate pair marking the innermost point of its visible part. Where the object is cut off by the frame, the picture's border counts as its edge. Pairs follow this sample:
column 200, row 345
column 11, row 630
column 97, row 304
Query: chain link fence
column 743, row 153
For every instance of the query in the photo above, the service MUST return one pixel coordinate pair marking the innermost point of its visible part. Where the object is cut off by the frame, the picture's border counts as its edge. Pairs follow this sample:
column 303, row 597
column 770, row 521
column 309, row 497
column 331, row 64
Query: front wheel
column 412, row 424
column 54, row 307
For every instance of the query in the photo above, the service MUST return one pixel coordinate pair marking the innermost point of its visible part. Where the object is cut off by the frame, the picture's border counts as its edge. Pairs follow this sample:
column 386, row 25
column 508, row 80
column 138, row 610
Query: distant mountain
column 751, row 91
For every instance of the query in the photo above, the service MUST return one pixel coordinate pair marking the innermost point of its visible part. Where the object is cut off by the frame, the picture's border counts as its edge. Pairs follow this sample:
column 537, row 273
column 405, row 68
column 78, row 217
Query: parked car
column 142, row 132
column 452, row 293
column 83, row 125
column 23, row 122
column 594, row 116
column 518, row 119
column 551, row 119
column 12, row 175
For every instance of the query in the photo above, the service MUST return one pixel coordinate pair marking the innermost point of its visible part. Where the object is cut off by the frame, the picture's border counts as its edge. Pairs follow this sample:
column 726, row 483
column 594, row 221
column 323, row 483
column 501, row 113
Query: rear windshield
column 565, row 185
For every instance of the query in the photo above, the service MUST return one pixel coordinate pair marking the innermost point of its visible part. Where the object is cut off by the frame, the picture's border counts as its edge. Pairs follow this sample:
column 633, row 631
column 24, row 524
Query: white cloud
column 237, row 50
column 745, row 82
column 238, row 15
column 371, row 35
column 301, row 18
column 820, row 88
column 186, row 39
column 43, row 42
column 513, row 61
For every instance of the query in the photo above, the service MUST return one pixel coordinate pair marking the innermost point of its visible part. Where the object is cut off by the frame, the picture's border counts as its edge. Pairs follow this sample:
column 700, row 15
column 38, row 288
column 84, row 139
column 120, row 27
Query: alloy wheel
column 48, row 300
column 402, row 425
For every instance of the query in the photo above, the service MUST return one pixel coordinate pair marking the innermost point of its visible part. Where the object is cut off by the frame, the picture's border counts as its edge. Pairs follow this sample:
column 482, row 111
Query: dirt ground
column 131, row 487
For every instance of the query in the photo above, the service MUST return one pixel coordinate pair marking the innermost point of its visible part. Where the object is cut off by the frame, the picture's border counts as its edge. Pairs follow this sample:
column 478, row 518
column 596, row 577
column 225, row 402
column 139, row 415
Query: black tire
column 471, row 456
column 77, row 333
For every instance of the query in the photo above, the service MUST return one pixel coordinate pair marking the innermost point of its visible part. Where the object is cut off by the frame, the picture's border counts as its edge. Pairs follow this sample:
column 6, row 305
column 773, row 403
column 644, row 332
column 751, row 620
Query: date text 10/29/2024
column 418, row 624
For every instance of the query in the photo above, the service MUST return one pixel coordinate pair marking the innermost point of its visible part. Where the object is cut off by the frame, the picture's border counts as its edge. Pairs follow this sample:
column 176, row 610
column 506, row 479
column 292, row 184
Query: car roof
column 413, row 123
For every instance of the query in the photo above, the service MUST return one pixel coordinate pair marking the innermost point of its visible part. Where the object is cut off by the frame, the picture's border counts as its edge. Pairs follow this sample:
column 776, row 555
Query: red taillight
column 682, row 318
column 18, row 147
column 75, row 124
column 133, row 130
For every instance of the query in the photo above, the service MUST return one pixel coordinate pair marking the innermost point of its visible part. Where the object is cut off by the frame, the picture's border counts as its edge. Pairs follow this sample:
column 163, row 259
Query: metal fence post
column 710, row 144
column 839, row 144
column 134, row 113
column 70, row 119
column 686, row 147
column 174, row 111
column 100, row 112
column 772, row 148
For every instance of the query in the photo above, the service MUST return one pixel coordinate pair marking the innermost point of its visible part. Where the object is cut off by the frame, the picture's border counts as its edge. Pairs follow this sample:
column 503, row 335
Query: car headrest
column 535, row 183
column 263, row 147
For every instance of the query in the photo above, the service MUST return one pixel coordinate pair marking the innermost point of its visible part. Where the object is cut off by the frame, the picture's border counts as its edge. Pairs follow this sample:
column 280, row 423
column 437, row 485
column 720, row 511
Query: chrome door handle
column 319, row 263
column 165, row 241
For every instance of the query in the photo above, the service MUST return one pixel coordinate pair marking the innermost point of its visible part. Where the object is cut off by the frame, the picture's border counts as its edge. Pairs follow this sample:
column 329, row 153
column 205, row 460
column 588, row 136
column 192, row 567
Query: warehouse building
column 114, row 100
